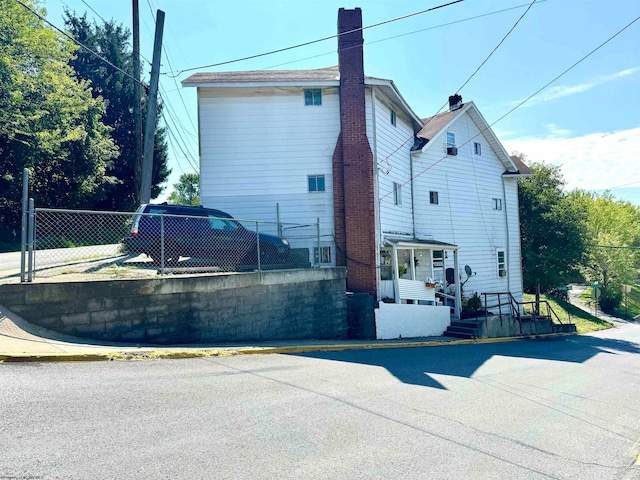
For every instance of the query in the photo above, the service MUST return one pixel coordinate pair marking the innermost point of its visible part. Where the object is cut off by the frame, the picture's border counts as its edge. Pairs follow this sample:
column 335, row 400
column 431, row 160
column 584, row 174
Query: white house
column 403, row 203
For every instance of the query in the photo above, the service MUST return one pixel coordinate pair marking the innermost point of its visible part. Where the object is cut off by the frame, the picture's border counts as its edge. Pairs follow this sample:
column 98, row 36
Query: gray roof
column 317, row 75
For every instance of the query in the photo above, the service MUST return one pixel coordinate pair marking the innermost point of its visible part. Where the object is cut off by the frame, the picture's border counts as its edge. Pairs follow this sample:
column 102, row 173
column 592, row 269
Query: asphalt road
column 562, row 408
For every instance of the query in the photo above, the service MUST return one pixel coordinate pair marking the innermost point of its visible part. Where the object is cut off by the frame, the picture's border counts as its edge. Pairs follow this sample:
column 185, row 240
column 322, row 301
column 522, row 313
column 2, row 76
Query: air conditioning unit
column 452, row 150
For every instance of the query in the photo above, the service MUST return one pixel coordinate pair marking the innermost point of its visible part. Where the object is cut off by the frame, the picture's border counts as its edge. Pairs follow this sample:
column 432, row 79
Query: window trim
column 316, row 94
column 397, row 194
column 477, row 148
column 433, row 195
column 504, row 268
column 316, row 177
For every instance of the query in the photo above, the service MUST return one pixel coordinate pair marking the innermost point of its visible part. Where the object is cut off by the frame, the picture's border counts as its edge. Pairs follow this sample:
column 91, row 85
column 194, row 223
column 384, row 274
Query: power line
column 185, row 151
column 470, row 77
column 175, row 74
column 524, row 101
column 80, row 43
column 406, row 34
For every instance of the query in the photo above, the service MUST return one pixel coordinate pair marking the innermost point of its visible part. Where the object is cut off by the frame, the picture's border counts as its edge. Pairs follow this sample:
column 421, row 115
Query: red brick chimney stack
column 353, row 169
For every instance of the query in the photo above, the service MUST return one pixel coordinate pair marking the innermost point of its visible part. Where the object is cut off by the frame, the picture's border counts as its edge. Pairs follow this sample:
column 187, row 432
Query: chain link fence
column 137, row 244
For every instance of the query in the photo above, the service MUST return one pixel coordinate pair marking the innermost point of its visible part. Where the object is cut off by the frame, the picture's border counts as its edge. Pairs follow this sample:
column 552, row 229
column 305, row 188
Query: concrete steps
column 461, row 329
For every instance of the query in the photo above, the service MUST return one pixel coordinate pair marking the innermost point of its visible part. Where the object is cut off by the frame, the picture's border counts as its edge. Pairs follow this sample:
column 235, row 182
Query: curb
column 226, row 352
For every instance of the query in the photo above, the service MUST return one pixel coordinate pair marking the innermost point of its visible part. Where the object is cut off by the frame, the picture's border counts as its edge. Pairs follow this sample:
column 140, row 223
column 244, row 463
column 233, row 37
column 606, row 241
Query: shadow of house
column 417, row 365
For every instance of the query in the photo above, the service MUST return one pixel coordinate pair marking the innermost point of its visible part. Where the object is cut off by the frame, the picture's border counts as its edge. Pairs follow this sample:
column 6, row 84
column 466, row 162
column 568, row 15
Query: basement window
column 324, row 257
column 312, row 96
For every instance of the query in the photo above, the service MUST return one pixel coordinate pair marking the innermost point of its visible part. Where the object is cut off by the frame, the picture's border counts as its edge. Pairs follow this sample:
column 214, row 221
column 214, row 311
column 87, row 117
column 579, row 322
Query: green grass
column 633, row 300
column 585, row 322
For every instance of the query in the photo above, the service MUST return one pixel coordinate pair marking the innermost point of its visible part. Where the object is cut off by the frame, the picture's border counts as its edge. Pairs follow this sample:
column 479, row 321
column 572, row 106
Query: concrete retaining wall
column 493, row 327
column 278, row 305
column 396, row 320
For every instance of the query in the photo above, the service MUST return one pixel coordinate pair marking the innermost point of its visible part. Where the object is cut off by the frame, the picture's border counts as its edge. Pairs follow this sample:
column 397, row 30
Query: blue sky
column 588, row 121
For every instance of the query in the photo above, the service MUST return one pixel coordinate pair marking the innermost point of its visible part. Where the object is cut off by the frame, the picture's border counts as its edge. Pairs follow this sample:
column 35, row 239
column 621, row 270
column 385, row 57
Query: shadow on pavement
column 416, row 365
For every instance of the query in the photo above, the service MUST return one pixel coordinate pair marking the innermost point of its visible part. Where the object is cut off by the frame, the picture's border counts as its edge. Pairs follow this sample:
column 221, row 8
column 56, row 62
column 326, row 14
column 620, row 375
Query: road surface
column 566, row 408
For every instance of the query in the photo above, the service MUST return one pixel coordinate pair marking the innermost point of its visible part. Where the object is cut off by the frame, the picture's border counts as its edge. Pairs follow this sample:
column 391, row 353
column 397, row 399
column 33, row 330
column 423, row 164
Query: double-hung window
column 312, row 96
column 433, row 198
column 502, row 263
column 497, row 203
column 451, row 139
column 397, row 194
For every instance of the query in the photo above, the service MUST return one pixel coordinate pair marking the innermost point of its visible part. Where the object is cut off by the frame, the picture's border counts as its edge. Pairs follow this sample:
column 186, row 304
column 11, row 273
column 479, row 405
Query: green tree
column 612, row 226
column 49, row 122
column 553, row 230
column 187, row 190
column 111, row 40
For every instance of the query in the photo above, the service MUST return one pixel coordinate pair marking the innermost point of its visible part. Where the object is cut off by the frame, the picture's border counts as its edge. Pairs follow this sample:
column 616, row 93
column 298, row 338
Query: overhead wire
column 80, row 44
column 304, row 44
column 184, row 146
column 523, row 101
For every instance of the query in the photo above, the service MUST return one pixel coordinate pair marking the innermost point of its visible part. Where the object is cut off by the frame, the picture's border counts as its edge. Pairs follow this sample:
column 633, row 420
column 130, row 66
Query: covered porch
column 419, row 288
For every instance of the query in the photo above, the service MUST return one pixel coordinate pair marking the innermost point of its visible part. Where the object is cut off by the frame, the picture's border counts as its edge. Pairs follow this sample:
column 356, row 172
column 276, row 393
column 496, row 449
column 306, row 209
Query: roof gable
column 440, row 123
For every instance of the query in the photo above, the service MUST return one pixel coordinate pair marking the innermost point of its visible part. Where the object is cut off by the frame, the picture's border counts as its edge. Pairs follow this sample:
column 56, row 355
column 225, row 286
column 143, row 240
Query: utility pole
column 152, row 100
column 137, row 113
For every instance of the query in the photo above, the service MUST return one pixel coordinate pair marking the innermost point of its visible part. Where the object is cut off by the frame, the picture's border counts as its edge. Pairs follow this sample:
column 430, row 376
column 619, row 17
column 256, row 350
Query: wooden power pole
column 137, row 108
column 152, row 101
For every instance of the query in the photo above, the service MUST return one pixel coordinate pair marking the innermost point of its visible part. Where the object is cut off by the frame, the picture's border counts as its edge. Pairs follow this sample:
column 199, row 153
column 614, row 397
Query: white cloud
column 591, row 162
column 566, row 90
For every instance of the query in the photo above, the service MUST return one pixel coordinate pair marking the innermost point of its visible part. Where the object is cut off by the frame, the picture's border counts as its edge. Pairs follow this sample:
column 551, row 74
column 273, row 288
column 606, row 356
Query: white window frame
column 325, row 255
column 316, row 94
column 433, row 195
column 324, row 179
column 397, row 194
column 497, row 203
column 449, row 144
column 501, row 266
column 477, row 148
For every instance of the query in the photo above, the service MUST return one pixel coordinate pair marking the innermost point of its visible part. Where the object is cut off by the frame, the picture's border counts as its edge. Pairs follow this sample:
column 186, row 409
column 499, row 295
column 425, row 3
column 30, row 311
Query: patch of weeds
column 584, row 322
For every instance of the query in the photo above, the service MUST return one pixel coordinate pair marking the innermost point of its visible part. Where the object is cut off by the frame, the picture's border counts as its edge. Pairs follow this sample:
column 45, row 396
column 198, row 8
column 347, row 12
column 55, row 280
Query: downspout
column 413, row 210
column 376, row 189
column 506, row 224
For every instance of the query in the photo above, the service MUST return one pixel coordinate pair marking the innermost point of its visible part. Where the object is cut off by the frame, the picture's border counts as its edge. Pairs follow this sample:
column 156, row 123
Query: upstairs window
column 502, row 263
column 433, row 198
column 312, row 96
column 397, row 194
column 316, row 183
column 451, row 139
column 477, row 148
column 497, row 204
column 393, row 118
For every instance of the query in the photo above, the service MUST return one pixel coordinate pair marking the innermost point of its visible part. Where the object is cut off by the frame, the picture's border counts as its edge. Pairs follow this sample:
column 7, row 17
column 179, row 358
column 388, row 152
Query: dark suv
column 201, row 233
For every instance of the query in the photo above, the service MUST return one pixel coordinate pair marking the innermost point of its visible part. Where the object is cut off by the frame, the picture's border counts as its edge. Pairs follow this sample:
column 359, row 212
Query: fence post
column 258, row 244
column 161, row 244
column 23, row 238
column 31, row 229
column 318, row 239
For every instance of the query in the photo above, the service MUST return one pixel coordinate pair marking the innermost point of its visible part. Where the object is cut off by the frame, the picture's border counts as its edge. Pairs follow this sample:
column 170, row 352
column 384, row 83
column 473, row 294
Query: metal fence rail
column 134, row 244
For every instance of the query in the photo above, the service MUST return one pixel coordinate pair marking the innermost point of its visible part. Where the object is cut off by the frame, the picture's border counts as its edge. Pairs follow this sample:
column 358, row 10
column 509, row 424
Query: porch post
column 396, row 276
column 457, row 279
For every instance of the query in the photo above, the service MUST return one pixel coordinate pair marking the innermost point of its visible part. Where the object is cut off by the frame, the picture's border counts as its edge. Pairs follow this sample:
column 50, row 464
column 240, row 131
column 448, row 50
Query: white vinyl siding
column 467, row 184
column 392, row 148
column 258, row 148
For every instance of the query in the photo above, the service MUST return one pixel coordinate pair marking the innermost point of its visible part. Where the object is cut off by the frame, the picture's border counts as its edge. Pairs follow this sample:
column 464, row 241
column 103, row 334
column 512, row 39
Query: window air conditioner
column 452, row 150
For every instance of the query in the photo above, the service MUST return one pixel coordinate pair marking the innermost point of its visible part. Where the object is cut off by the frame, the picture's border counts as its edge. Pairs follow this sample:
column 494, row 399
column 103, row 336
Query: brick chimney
column 353, row 169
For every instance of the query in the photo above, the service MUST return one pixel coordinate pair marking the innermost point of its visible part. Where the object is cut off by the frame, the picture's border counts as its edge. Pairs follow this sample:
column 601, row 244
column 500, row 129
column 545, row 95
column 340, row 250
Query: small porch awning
column 415, row 243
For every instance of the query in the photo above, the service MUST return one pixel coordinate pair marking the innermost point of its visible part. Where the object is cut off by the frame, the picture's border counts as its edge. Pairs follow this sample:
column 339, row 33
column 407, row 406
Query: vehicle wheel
column 171, row 254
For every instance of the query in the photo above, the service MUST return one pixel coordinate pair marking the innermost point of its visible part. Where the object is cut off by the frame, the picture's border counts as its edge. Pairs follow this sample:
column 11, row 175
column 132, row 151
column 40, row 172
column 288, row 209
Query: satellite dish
column 468, row 271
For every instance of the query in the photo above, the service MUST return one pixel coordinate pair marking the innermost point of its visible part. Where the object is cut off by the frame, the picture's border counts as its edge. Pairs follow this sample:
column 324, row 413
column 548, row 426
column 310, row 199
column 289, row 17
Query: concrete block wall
column 278, row 305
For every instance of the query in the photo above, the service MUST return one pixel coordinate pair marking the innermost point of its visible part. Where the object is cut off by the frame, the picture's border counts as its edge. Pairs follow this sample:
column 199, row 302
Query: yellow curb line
column 220, row 352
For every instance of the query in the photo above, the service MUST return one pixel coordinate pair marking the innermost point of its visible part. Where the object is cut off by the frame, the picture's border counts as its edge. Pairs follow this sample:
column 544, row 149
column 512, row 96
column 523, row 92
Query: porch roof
column 416, row 243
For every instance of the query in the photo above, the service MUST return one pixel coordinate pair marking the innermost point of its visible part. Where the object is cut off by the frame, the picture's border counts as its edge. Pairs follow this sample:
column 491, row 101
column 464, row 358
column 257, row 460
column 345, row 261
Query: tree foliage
column 111, row 40
column 553, row 230
column 611, row 223
column 187, row 190
column 49, row 122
